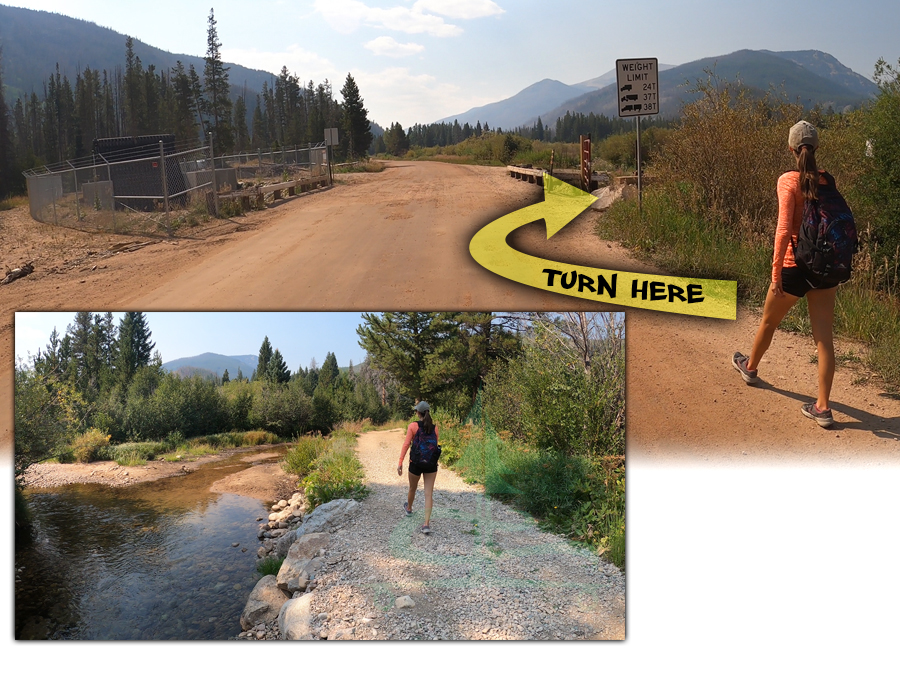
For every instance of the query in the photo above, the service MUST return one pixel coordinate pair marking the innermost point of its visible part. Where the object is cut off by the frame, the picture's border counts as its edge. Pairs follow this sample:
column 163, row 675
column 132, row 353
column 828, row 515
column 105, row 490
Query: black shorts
column 795, row 283
column 419, row 468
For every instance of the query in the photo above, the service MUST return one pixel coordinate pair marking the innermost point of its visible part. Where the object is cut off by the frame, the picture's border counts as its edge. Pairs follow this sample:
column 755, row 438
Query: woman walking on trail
column 789, row 283
column 419, row 434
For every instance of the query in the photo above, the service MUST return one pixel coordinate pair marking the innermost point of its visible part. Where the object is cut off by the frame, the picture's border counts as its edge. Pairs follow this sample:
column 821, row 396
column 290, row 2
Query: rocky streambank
column 365, row 571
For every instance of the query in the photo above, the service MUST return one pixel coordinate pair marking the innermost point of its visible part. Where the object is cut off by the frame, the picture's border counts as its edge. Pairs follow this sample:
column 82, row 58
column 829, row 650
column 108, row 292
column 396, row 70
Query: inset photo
column 320, row 476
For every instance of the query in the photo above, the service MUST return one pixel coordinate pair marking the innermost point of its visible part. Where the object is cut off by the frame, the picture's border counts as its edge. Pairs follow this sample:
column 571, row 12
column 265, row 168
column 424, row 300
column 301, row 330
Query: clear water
column 150, row 561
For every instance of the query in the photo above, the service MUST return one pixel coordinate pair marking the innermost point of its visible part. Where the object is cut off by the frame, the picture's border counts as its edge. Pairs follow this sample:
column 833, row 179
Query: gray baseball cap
column 803, row 134
column 422, row 407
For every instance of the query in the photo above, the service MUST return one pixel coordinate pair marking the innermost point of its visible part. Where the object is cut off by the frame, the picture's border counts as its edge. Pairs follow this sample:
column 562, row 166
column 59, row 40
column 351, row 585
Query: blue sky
column 421, row 60
column 300, row 337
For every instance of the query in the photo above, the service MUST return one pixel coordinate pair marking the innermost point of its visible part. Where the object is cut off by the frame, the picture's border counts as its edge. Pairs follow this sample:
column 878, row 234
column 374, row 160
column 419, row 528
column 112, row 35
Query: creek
column 153, row 560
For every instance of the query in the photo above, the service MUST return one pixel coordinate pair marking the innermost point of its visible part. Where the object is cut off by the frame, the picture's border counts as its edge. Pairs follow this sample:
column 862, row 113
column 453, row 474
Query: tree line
column 136, row 99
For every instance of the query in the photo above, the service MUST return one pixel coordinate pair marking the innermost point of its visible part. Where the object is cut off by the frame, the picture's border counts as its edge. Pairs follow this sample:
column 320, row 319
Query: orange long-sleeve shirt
column 410, row 433
column 790, row 214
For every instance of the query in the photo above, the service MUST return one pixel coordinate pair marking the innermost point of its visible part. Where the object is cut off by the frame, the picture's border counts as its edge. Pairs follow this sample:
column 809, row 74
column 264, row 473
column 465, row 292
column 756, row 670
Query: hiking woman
column 423, row 430
column 789, row 283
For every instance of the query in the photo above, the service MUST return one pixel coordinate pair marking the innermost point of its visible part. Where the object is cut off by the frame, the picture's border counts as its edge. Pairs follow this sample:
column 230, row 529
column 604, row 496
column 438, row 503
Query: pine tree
column 329, row 372
column 262, row 364
column 133, row 346
column 355, row 122
column 277, row 371
column 225, row 377
column 241, row 135
column 9, row 176
column 216, row 88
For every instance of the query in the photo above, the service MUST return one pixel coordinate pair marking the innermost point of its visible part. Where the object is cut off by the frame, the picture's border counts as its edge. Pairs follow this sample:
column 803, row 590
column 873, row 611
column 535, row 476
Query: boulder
column 264, row 603
column 405, row 602
column 294, row 574
column 283, row 544
column 295, row 619
column 328, row 516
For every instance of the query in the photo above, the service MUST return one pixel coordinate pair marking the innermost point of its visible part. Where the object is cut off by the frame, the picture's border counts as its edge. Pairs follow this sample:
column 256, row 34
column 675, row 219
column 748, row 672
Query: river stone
column 293, row 574
column 295, row 619
column 328, row 516
column 275, row 533
column 264, row 603
column 282, row 503
column 341, row 633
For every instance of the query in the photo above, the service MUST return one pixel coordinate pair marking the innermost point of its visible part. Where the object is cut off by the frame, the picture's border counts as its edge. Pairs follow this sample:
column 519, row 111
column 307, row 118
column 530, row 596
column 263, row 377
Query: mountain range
column 213, row 363
column 810, row 77
column 74, row 44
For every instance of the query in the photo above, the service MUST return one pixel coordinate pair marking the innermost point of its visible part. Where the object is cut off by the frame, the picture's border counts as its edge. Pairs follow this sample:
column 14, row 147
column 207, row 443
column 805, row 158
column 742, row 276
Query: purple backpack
column 827, row 239
column 425, row 449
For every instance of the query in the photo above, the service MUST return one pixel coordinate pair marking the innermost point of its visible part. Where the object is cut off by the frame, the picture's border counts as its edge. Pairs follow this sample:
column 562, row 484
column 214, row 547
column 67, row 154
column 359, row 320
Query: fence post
column 212, row 157
column 75, row 173
column 113, row 191
column 259, row 156
column 165, row 185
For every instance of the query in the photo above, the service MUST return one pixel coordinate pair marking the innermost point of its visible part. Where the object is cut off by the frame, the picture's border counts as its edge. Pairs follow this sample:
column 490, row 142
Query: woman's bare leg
column 773, row 313
column 821, row 317
column 413, row 483
column 429, row 490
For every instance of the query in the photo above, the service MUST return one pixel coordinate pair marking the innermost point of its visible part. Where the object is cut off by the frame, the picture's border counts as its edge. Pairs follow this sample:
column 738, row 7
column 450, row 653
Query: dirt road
column 485, row 571
column 398, row 240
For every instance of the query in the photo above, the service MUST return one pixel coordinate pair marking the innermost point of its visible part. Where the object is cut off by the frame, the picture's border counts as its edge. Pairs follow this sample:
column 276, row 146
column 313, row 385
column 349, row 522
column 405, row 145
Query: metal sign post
column 331, row 139
column 637, row 82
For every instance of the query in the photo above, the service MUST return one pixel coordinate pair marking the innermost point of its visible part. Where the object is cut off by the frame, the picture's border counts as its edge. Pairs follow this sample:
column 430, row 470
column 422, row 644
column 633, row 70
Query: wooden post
column 585, row 162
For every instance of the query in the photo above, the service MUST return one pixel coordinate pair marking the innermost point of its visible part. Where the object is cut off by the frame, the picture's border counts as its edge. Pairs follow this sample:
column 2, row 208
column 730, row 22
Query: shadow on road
column 880, row 426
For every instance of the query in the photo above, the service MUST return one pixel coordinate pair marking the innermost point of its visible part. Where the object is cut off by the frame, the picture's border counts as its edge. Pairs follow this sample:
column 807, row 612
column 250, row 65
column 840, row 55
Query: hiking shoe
column 406, row 508
column 823, row 418
column 740, row 363
column 425, row 529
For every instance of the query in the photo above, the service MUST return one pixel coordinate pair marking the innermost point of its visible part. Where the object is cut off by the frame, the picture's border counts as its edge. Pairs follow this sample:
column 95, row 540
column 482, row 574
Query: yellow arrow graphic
column 562, row 203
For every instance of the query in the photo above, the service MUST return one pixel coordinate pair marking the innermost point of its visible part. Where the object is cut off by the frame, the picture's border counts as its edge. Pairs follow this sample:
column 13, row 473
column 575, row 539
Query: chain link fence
column 152, row 187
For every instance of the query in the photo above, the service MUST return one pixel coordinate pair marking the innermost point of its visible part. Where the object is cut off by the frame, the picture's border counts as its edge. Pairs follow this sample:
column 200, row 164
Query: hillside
column 529, row 103
column 213, row 363
column 75, row 44
column 759, row 71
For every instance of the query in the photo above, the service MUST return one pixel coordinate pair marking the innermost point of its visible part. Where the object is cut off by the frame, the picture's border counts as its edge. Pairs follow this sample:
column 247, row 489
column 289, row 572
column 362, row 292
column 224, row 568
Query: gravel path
column 485, row 572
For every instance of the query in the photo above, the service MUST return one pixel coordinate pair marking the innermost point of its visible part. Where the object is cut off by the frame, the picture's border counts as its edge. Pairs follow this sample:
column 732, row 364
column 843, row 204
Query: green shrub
column 338, row 473
column 300, row 458
column 254, row 438
column 174, row 440
column 136, row 453
column 269, row 566
column 87, row 446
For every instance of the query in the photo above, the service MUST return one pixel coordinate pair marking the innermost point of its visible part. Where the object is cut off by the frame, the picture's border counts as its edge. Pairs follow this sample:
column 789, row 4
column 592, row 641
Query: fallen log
column 16, row 273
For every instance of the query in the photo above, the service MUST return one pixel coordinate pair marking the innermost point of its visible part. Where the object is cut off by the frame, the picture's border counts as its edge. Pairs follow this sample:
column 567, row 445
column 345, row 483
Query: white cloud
column 460, row 9
column 397, row 95
column 307, row 65
column 387, row 46
column 345, row 16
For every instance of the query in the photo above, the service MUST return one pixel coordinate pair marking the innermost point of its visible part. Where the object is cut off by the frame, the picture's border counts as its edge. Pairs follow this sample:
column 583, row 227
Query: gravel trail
column 485, row 572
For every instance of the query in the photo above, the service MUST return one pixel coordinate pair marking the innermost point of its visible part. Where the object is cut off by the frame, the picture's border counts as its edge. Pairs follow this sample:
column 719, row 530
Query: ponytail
column 809, row 172
column 426, row 423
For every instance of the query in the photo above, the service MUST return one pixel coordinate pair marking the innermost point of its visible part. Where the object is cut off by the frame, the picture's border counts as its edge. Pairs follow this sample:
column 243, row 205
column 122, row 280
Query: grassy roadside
column 578, row 497
column 686, row 244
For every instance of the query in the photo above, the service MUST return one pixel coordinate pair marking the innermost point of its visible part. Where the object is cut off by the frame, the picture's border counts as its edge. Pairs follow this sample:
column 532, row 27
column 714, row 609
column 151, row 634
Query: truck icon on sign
column 636, row 106
column 630, row 97
column 625, row 88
